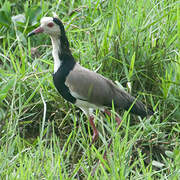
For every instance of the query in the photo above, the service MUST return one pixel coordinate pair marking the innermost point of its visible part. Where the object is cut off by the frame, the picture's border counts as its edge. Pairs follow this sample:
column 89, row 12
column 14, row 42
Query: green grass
column 44, row 137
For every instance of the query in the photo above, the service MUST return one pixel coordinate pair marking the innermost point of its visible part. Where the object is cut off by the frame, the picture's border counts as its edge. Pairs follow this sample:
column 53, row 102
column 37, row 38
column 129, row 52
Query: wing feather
column 96, row 89
column 90, row 86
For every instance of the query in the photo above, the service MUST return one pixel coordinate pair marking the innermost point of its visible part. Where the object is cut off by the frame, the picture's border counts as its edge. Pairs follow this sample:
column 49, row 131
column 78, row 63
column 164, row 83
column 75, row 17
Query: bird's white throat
column 55, row 52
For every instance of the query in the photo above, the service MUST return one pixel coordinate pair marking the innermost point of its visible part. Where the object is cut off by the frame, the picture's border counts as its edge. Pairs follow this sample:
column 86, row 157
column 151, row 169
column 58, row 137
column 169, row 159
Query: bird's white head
column 49, row 25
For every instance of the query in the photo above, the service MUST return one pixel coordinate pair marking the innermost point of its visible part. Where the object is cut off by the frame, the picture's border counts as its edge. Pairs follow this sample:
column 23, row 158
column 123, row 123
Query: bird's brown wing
column 95, row 88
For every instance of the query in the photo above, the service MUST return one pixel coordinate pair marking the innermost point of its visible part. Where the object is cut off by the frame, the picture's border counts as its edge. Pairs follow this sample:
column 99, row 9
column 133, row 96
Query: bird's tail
column 137, row 107
column 128, row 102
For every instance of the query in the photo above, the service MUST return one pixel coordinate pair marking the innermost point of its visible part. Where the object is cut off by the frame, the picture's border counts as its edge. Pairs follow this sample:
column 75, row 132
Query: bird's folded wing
column 96, row 89
column 92, row 87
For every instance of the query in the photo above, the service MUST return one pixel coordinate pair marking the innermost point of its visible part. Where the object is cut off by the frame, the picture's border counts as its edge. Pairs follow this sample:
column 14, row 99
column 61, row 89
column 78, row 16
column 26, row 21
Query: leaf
column 132, row 66
column 5, row 89
column 33, row 14
column 7, row 9
column 157, row 164
column 169, row 154
column 4, row 20
column 5, row 14
column 21, row 37
column 18, row 18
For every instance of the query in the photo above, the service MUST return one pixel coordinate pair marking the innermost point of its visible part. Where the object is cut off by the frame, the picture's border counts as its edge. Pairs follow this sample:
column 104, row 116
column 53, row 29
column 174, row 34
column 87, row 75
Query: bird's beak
column 36, row 31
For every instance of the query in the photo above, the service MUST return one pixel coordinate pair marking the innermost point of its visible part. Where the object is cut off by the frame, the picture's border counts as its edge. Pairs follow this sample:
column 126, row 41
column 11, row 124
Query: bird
column 83, row 87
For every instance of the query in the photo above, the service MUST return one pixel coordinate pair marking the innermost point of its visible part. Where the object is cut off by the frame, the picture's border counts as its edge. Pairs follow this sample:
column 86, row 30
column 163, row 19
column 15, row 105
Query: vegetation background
column 44, row 137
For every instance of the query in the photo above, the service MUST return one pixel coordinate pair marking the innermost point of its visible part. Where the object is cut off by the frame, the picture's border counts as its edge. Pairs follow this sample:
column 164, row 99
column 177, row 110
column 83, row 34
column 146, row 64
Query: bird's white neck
column 55, row 52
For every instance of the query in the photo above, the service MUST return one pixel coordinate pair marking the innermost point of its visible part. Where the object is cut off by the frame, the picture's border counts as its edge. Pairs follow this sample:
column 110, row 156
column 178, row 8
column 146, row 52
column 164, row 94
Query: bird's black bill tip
column 36, row 31
column 31, row 34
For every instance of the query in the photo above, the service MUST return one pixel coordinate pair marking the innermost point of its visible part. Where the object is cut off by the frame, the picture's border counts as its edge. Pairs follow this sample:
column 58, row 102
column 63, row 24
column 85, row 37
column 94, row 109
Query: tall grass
column 134, row 43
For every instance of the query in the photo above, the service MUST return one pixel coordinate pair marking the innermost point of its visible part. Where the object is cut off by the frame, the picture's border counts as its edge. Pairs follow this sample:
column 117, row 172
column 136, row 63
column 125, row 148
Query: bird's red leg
column 118, row 120
column 95, row 132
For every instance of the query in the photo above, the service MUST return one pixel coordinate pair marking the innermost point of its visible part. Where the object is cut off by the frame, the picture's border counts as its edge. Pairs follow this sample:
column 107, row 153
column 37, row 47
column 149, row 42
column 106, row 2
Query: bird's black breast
column 59, row 77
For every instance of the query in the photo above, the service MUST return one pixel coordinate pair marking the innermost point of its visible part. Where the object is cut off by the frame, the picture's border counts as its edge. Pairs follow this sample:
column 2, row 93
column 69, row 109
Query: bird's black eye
column 50, row 24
